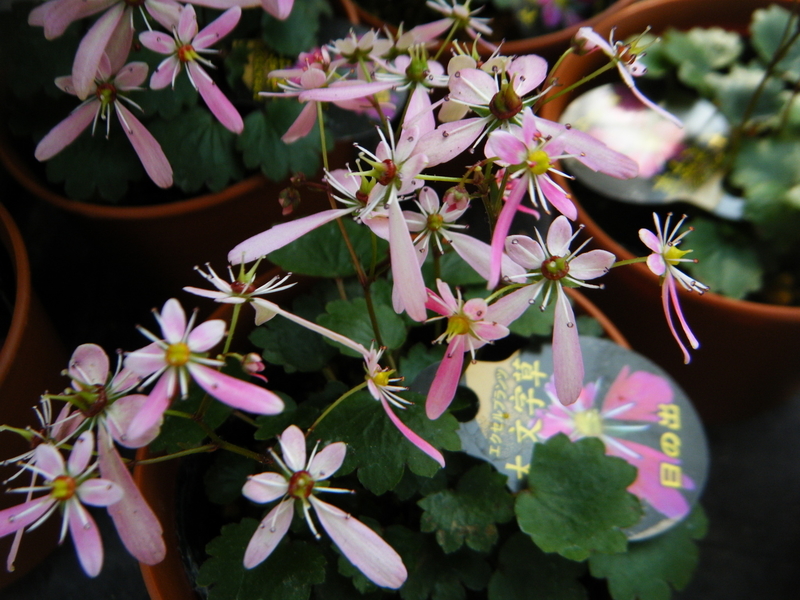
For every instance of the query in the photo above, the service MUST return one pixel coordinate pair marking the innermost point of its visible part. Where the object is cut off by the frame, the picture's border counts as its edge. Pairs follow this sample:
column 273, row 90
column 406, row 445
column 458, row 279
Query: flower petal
column 89, row 365
column 410, row 435
column 136, row 523
column 265, row 487
column 81, row 453
column 63, row 134
column 217, row 102
column 218, row 28
column 591, row 265
column 327, row 461
column 235, row 392
column 406, row 271
column 99, row 492
column 567, row 357
column 158, row 41
column 147, row 148
column 173, row 321
column 206, row 335
column 147, row 360
column 49, row 460
column 153, row 409
column 443, row 388
column 269, row 533
column 91, row 49
column 17, row 517
column 361, row 545
column 85, row 537
column 165, row 73
column 293, row 448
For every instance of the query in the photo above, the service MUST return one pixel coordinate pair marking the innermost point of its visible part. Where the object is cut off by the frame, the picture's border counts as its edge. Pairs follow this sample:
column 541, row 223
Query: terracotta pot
column 549, row 46
column 748, row 358
column 169, row 580
column 31, row 359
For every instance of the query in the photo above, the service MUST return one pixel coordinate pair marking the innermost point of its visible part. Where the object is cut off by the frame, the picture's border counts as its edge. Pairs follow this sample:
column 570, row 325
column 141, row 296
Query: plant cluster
column 404, row 290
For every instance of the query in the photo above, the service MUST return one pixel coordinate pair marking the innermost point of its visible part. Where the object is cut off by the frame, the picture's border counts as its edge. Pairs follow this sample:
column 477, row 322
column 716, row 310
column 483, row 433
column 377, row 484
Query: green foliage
column 351, row 319
column 225, row 477
column 535, row 321
column 730, row 263
column 470, row 513
column 433, row 574
column 577, row 503
column 524, row 572
column 95, row 168
column 299, row 31
column 295, row 348
column 734, row 90
column 651, row 567
column 698, row 51
column 306, row 256
column 269, row 426
column 288, row 574
column 376, row 448
column 262, row 147
column 180, row 433
column 200, row 149
column 770, row 28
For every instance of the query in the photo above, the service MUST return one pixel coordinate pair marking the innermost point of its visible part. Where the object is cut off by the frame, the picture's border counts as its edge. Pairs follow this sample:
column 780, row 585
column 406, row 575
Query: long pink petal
column 119, row 416
column 361, row 545
column 17, row 517
column 217, row 102
column 449, row 140
column 511, row 306
column 327, row 461
column 280, row 235
column 148, row 149
column 269, row 533
column 411, row 436
column 187, row 24
column 81, row 453
column 153, row 409
column 63, row 134
column 640, row 392
column 85, row 537
column 136, row 523
column 405, row 267
column 55, row 16
column 567, row 357
column 218, row 28
column 443, row 388
column 91, row 49
column 165, row 73
column 345, row 91
column 302, row 125
column 166, row 12
column 501, row 229
column 293, row 448
column 235, row 392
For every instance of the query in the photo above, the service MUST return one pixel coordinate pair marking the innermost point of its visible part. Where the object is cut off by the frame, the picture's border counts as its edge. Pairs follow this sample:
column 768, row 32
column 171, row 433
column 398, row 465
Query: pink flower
column 69, row 486
column 108, row 90
column 181, row 356
column 630, row 405
column 299, row 482
column 530, row 152
column 185, row 49
column 550, row 265
column 384, row 388
column 459, row 16
column 664, row 262
column 113, row 28
column 627, row 58
column 470, row 325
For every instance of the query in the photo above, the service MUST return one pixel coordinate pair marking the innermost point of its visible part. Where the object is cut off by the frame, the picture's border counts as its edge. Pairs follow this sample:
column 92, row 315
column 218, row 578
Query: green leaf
column 377, row 448
column 199, row 148
column 288, row 344
column 269, row 426
column 95, row 168
column 351, row 319
column 767, row 30
column 305, row 255
column 728, row 262
column 578, row 502
column 524, row 572
column 699, row 51
column 225, row 477
column 433, row 574
column 287, row 574
column 776, row 214
column 734, row 90
column 262, row 147
column 535, row 321
column 419, row 357
column 766, row 161
column 470, row 513
column 454, row 270
column 299, row 32
column 649, row 568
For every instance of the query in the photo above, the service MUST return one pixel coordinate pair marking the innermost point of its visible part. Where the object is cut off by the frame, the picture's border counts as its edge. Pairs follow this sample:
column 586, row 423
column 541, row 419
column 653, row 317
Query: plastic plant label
column 629, row 403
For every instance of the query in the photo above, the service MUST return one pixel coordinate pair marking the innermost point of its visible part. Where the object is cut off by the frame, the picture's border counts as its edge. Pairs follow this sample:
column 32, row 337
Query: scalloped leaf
column 433, row 574
column 767, row 30
column 699, row 51
column 304, row 256
column 376, row 448
column 650, row 568
column 299, row 32
column 470, row 513
column 578, row 503
column 351, row 319
column 287, row 574
column 524, row 572
column 199, row 148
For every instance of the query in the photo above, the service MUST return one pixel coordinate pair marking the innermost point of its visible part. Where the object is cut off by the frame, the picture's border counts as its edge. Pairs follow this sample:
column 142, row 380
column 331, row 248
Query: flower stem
column 629, row 261
column 339, row 400
column 322, row 141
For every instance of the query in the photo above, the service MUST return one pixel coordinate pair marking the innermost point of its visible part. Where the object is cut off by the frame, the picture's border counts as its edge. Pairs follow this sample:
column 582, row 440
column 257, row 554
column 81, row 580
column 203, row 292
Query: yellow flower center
column 539, row 162
column 435, row 221
column 187, row 53
column 301, row 485
column 381, row 378
column 63, row 487
column 178, row 354
column 589, row 423
column 458, row 325
column 673, row 254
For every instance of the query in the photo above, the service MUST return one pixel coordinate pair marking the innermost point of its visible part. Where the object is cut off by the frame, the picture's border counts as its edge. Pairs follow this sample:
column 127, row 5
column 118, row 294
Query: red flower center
column 301, row 485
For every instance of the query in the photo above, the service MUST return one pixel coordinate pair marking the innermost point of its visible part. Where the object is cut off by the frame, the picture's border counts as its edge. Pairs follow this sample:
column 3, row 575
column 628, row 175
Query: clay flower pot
column 31, row 358
column 748, row 355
